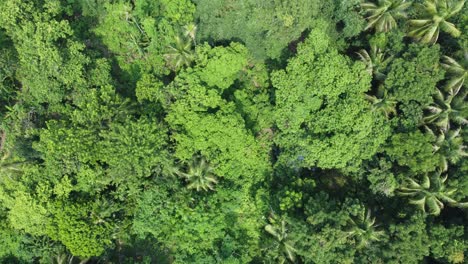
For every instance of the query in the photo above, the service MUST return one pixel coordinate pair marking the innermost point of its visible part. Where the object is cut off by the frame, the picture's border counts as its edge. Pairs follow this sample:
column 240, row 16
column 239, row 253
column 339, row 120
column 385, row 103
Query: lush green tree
column 408, row 241
column 179, row 54
column 447, row 243
column 321, row 111
column 51, row 62
column 413, row 150
column 140, row 32
column 414, row 76
column 161, row 131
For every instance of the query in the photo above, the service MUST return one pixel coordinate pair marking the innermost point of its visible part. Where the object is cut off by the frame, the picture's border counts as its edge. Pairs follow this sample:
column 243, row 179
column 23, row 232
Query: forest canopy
column 221, row 131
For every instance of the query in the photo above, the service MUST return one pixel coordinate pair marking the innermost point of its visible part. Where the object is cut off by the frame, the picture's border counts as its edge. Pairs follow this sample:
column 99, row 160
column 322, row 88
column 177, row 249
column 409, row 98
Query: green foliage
column 448, row 243
column 82, row 237
column 321, row 111
column 50, row 61
column 408, row 241
column 139, row 32
column 265, row 27
column 413, row 150
column 161, row 131
column 414, row 76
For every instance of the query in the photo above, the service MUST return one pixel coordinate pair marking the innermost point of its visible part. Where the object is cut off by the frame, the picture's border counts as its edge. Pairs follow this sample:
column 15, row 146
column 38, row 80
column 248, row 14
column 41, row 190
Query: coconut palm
column 277, row 229
column 180, row 53
column 363, row 229
column 199, row 175
column 457, row 71
column 431, row 194
column 383, row 15
column 190, row 31
column 449, row 144
column 9, row 167
column 376, row 62
column 435, row 14
column 447, row 110
column 382, row 102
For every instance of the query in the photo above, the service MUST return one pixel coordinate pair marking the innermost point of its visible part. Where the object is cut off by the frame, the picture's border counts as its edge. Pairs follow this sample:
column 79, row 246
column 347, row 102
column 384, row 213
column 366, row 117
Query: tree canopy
column 221, row 131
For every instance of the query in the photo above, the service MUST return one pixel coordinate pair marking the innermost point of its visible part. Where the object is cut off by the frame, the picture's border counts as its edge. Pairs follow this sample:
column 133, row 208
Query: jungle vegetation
column 223, row 131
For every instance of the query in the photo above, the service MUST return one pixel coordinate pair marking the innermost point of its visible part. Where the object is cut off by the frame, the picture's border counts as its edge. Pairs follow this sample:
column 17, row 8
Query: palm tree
column 382, row 102
column 277, row 229
column 383, row 14
column 449, row 144
column 457, row 71
column 376, row 62
column 190, row 31
column 447, row 109
column 363, row 229
column 9, row 167
column 180, row 53
column 435, row 14
column 199, row 175
column 431, row 194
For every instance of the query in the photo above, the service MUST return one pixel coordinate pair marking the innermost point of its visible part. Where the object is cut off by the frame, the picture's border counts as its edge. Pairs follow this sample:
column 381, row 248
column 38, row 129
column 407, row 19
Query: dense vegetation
column 222, row 131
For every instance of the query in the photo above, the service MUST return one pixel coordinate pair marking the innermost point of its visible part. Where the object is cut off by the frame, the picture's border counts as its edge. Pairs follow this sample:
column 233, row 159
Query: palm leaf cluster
column 457, row 72
column 382, row 102
column 285, row 246
column 447, row 110
column 434, row 18
column 199, row 175
column 449, row 144
column 431, row 194
column 364, row 229
column 376, row 62
column 181, row 53
column 383, row 14
column 10, row 167
column 376, row 65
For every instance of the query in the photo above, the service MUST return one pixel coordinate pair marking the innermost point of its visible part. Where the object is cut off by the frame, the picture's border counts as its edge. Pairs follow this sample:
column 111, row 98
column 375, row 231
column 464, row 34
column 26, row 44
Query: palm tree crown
column 376, row 62
column 383, row 14
column 430, row 194
column 277, row 228
column 180, row 53
column 435, row 14
column 363, row 229
column 449, row 144
column 382, row 102
column 457, row 71
column 199, row 175
column 447, row 109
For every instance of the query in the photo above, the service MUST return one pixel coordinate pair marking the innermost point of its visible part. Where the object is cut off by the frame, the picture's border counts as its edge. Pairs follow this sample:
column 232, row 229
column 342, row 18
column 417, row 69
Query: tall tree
column 321, row 112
